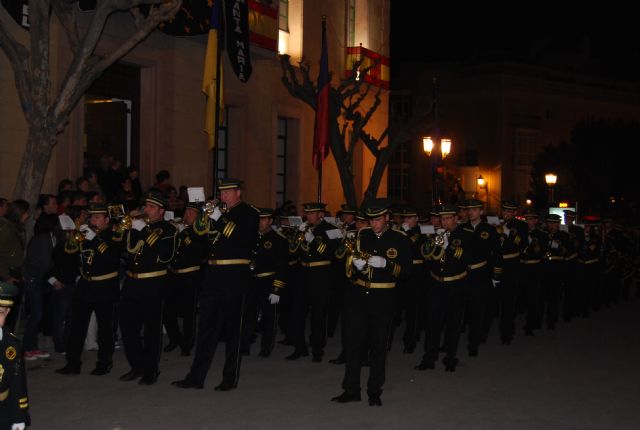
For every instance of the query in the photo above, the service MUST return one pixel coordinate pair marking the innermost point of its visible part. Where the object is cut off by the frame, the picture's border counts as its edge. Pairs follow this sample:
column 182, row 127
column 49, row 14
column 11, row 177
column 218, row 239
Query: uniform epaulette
column 254, row 208
column 14, row 336
column 281, row 235
column 470, row 230
column 400, row 231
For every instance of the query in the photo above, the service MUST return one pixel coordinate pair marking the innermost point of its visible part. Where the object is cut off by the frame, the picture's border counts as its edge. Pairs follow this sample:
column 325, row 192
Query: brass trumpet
column 127, row 221
column 210, row 206
column 351, row 245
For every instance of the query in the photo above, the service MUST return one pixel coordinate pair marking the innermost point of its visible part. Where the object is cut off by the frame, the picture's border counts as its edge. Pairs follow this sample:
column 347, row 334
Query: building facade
column 158, row 107
column 499, row 116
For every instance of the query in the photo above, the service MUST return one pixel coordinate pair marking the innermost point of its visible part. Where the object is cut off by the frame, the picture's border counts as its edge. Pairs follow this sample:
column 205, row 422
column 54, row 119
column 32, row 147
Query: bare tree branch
column 18, row 56
column 39, row 23
column 67, row 13
column 87, row 67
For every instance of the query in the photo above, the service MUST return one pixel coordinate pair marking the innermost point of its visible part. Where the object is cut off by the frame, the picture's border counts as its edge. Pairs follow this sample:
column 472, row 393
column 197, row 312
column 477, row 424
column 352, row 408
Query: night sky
column 586, row 39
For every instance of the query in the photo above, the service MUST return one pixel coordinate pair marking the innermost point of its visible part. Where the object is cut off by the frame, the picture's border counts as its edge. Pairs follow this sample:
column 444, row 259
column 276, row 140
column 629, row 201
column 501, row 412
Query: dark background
column 601, row 39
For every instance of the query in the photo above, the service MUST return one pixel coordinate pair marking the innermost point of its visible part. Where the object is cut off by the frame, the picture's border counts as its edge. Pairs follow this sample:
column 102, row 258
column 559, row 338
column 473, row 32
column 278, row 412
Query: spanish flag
column 212, row 79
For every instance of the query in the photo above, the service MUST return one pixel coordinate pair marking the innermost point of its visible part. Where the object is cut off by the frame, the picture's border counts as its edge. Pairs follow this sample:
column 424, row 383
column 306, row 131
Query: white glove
column 377, row 261
column 274, row 299
column 359, row 263
column 17, row 426
column 554, row 244
column 505, row 230
column 302, row 227
column 446, row 241
column 530, row 238
column 216, row 214
column 495, row 283
column 308, row 236
column 88, row 233
column 405, row 226
column 138, row 224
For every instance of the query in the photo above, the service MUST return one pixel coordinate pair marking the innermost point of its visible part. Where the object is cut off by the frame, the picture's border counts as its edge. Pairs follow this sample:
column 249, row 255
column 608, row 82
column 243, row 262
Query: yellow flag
column 213, row 73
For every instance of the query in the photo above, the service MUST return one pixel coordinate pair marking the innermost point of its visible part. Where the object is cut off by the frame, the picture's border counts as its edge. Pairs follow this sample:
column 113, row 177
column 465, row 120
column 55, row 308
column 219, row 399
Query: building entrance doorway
column 111, row 123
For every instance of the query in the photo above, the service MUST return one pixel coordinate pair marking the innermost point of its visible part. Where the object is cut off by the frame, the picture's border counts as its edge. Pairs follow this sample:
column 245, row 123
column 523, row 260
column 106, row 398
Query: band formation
column 228, row 272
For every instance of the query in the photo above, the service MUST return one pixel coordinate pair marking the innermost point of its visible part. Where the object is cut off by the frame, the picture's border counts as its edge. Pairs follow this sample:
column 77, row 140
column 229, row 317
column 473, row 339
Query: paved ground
column 584, row 375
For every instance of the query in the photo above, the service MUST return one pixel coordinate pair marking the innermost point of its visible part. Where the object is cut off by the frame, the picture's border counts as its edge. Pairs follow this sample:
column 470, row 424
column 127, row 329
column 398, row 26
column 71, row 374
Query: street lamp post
column 551, row 179
column 483, row 184
column 439, row 150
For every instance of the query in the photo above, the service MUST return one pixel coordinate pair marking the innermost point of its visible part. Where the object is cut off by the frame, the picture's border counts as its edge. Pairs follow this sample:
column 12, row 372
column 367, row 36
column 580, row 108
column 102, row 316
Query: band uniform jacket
column 14, row 403
column 449, row 261
column 320, row 249
column 99, row 261
column 271, row 257
column 536, row 243
column 391, row 244
column 190, row 251
column 513, row 241
column 560, row 246
column 417, row 240
column 485, row 248
column 233, row 235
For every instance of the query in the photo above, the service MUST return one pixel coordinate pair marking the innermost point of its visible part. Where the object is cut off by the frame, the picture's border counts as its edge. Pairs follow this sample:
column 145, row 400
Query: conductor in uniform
column 231, row 227
column 382, row 256
column 14, row 403
column 150, row 245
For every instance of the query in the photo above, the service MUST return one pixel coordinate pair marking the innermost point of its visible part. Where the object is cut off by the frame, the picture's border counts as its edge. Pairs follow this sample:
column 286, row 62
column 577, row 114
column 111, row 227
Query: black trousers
column 530, row 284
column 588, row 279
column 446, row 308
column 571, row 286
column 410, row 296
column 141, row 323
column 182, row 299
column 315, row 283
column 552, row 282
column 221, row 314
column 81, row 310
column 257, row 304
column 287, row 300
column 478, row 306
column 369, row 315
column 508, row 294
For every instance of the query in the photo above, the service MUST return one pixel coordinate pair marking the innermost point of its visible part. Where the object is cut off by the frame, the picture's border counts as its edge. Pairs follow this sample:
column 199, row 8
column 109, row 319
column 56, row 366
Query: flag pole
column 320, row 183
column 216, row 123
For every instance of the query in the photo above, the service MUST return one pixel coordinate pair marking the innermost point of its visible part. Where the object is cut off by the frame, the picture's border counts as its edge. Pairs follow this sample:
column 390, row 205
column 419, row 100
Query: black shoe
column 425, row 365
column 296, row 355
column 245, row 352
column 264, row 353
column 375, row 401
column 101, row 369
column 409, row 349
column 187, row 383
column 285, row 341
column 225, row 386
column 317, row 358
column 551, row 326
column 346, row 397
column 131, row 375
column 68, row 370
column 149, row 379
column 506, row 340
column 171, row 346
column 185, row 352
column 528, row 331
column 340, row 359
column 473, row 351
column 450, row 364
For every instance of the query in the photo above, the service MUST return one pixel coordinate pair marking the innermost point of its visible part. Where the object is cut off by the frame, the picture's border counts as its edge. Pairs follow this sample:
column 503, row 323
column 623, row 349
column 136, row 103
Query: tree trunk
column 344, row 167
column 33, row 166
